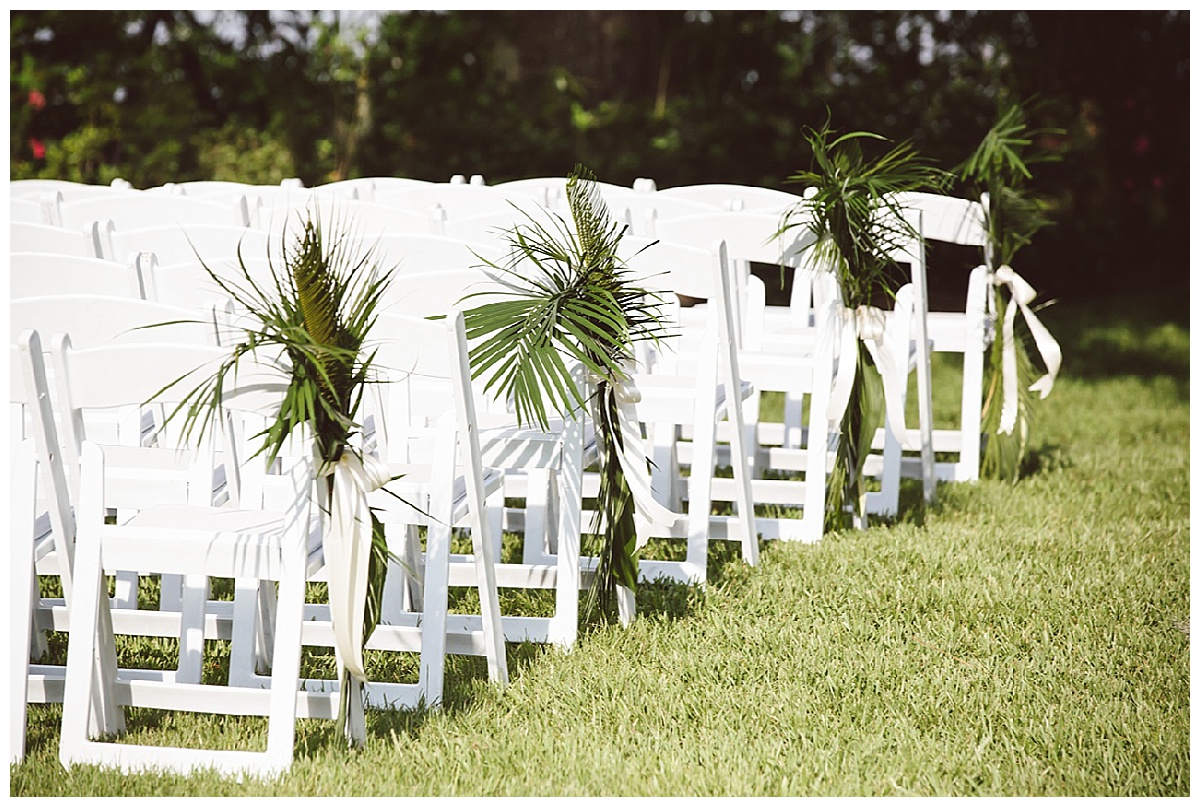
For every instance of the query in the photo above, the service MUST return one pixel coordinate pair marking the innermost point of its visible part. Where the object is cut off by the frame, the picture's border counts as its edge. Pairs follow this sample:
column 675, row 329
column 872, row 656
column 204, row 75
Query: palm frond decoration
column 570, row 302
column 314, row 314
column 850, row 205
column 997, row 173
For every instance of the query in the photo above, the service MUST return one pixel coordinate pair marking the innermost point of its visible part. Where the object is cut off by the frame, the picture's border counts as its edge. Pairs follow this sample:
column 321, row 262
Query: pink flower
column 39, row 149
column 36, row 99
column 1141, row 145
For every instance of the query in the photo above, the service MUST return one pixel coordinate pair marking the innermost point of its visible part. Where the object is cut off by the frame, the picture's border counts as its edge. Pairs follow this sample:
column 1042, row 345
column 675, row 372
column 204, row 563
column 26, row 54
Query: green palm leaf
column 569, row 301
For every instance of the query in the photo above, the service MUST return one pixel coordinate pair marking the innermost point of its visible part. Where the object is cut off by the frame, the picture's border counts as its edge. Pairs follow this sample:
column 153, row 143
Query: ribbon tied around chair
column 868, row 323
column 632, row 457
column 1023, row 294
column 348, row 550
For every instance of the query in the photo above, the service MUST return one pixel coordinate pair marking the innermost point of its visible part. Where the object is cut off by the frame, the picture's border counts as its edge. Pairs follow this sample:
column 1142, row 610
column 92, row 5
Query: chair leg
column 285, row 670
column 91, row 670
column 435, row 603
column 22, row 599
column 191, row 629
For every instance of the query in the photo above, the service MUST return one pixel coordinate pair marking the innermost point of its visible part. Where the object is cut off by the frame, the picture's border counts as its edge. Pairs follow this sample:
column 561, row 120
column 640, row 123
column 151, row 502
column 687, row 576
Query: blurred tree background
column 679, row 96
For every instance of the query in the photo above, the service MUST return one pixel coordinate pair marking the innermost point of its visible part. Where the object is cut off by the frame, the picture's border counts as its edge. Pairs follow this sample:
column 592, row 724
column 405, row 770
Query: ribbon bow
column 348, row 549
column 1023, row 294
column 868, row 324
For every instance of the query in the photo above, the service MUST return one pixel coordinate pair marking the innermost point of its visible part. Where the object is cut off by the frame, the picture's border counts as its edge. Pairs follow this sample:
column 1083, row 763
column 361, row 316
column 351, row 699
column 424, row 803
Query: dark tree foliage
column 682, row 97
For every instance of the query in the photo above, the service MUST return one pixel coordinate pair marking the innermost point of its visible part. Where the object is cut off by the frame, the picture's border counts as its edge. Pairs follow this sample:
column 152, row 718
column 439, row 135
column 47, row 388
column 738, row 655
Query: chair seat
column 215, row 538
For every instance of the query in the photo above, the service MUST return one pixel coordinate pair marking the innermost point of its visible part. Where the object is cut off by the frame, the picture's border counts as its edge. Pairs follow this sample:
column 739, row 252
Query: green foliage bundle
column 851, row 208
column 316, row 314
column 571, row 300
column 997, row 173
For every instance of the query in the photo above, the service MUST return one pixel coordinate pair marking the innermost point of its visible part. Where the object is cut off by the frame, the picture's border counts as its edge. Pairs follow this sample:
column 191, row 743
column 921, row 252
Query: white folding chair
column 956, row 221
column 696, row 396
column 274, row 537
column 444, row 484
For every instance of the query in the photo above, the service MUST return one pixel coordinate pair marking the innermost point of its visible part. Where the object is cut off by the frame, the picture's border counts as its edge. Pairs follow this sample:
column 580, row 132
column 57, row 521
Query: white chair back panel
column 458, row 201
column 183, row 243
column 34, row 274
column 340, row 217
column 94, row 320
column 26, row 236
column 26, row 210
column 946, row 218
column 421, row 294
column 405, row 253
column 136, row 209
column 730, row 196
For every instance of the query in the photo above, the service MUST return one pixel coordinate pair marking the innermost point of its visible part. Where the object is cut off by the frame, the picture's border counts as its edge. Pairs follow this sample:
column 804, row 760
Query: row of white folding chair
column 442, row 483
column 274, row 537
column 395, row 638
column 791, row 509
column 751, row 236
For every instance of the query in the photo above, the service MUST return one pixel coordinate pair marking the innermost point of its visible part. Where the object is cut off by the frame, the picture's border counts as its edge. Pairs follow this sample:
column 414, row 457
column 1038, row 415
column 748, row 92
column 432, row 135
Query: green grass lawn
column 1021, row 640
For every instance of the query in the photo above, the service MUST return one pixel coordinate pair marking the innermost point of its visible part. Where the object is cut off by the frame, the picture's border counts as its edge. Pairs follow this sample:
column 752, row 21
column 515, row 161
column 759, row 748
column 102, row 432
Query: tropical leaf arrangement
column 851, row 208
column 997, row 173
column 315, row 315
column 570, row 302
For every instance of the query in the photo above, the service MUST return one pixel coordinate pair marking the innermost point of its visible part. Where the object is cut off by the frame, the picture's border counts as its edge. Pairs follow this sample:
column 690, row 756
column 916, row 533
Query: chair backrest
column 26, row 236
column 946, row 218
column 182, row 243
column 33, row 274
column 36, row 189
column 116, row 377
column 458, row 201
column 728, row 196
column 428, row 377
column 368, row 187
column 26, row 210
column 135, row 209
column 647, row 209
column 405, row 253
column 438, row 292
column 339, row 217
column 94, row 319
column 29, row 393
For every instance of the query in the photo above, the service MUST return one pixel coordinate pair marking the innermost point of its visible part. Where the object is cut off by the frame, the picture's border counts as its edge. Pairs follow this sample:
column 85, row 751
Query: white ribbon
column 868, row 324
column 632, row 458
column 347, row 550
column 1023, row 294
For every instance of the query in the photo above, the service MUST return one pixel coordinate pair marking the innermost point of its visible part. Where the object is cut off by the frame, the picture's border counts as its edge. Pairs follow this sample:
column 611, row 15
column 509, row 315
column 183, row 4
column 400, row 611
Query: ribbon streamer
column 348, row 549
column 1023, row 294
column 868, row 324
column 632, row 457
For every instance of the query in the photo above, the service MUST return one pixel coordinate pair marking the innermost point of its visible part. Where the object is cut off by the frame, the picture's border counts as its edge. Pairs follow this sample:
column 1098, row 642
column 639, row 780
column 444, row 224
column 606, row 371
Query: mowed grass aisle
column 1014, row 640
